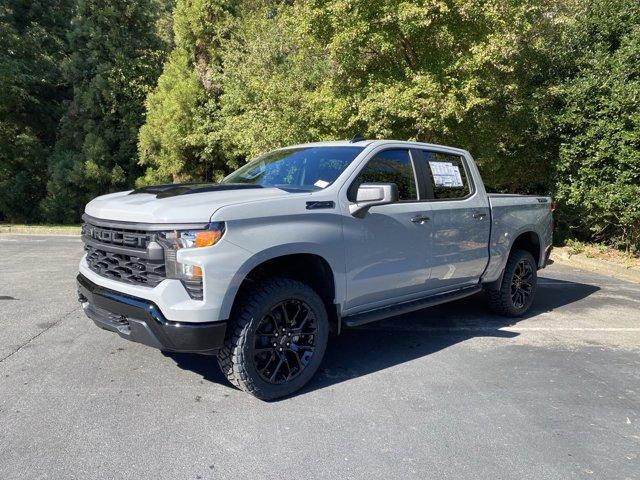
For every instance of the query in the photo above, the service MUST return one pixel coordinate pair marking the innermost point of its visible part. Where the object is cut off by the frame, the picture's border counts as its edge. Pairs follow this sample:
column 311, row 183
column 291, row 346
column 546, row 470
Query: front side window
column 305, row 168
column 391, row 166
column 447, row 176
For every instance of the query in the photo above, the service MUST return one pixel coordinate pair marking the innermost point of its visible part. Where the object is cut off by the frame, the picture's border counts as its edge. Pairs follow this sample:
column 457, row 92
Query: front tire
column 278, row 337
column 518, row 286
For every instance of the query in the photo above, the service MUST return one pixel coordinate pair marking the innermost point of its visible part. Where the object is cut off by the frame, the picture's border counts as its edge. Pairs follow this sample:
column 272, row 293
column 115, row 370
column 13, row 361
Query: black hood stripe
column 173, row 189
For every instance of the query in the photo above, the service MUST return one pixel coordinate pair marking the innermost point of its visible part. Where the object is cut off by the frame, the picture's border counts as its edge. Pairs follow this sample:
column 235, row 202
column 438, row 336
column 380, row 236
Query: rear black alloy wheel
column 276, row 339
column 285, row 341
column 521, row 284
column 514, row 296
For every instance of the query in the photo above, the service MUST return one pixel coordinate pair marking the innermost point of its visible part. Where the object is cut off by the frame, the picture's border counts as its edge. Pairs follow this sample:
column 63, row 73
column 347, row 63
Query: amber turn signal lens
column 207, row 238
column 197, row 272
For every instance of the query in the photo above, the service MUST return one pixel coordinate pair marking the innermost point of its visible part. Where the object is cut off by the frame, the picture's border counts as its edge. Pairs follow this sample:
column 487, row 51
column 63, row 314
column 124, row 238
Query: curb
column 603, row 267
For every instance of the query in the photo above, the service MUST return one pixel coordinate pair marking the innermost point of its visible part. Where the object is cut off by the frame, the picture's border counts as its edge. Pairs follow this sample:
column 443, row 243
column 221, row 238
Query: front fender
column 258, row 258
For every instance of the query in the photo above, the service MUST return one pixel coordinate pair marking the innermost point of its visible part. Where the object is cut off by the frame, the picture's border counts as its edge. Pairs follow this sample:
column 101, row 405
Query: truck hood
column 175, row 203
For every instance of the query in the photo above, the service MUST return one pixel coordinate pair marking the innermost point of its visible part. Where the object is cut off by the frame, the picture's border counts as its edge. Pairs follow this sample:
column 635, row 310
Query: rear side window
column 446, row 175
column 390, row 166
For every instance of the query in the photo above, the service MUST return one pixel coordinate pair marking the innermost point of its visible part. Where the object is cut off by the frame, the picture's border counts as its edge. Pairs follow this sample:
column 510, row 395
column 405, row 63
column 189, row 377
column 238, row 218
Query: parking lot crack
column 44, row 330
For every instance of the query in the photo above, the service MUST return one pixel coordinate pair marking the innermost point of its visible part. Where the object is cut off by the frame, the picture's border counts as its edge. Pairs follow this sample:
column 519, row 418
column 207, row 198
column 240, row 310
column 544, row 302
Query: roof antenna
column 357, row 138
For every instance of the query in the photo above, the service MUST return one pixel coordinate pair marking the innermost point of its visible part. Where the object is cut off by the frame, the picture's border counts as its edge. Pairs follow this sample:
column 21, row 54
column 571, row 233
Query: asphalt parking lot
column 452, row 392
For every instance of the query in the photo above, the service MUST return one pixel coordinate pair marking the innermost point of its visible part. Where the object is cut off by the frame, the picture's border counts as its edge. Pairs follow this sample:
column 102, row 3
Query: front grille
column 117, row 236
column 123, row 254
column 131, row 256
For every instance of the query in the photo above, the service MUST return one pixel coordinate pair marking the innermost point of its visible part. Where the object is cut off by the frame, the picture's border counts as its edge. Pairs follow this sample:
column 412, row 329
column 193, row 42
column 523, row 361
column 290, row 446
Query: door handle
column 421, row 219
column 479, row 215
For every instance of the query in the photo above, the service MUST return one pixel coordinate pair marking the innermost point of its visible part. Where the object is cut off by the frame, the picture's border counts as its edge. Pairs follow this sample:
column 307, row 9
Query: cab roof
column 366, row 143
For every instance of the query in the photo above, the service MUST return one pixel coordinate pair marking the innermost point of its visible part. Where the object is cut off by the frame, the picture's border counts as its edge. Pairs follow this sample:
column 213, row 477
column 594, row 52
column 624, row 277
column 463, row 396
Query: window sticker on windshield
column 321, row 184
column 446, row 174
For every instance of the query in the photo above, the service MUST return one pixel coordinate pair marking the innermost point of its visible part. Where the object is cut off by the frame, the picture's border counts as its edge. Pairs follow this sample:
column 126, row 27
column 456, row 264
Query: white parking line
column 572, row 329
column 504, row 329
column 568, row 283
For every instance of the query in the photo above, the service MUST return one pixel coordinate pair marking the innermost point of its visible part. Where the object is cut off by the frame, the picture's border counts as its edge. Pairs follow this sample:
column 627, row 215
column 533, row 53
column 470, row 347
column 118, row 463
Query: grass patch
column 602, row 252
column 40, row 229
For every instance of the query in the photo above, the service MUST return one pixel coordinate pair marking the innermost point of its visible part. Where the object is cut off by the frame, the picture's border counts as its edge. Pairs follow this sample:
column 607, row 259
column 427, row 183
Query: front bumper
column 142, row 321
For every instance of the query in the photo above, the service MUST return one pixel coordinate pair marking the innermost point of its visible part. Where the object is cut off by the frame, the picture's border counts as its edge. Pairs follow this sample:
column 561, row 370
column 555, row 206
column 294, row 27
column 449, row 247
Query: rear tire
column 277, row 337
column 518, row 287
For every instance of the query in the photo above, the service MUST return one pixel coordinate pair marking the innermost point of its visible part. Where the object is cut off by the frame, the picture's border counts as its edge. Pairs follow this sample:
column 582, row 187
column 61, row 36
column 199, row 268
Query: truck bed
column 510, row 215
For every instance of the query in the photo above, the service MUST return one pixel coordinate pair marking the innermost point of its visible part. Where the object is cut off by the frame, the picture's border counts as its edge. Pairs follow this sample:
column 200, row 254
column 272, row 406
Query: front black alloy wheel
column 285, row 341
column 276, row 339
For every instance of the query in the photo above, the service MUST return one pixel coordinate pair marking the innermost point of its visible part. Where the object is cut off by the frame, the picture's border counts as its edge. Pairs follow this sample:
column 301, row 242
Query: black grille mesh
column 126, row 268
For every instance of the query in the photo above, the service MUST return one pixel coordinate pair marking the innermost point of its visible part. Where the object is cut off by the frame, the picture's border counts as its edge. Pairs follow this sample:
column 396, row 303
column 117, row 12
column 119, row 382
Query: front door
column 386, row 249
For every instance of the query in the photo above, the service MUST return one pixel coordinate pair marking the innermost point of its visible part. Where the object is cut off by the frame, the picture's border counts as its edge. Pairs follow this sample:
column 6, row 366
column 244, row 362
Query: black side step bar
column 406, row 307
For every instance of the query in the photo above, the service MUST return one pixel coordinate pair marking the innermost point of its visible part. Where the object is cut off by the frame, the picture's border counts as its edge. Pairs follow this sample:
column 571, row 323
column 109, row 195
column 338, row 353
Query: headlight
column 175, row 240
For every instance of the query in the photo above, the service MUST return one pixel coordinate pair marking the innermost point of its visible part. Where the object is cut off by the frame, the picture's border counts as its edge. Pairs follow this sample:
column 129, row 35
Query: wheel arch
column 527, row 239
column 303, row 264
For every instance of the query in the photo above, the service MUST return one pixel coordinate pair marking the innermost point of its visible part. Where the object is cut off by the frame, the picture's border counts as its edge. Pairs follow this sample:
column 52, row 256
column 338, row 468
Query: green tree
column 115, row 58
column 32, row 89
column 277, row 82
column 472, row 73
column 598, row 174
column 180, row 140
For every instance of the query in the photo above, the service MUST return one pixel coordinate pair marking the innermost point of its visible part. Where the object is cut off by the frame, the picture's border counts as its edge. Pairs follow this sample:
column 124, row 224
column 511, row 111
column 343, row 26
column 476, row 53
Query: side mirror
column 372, row 194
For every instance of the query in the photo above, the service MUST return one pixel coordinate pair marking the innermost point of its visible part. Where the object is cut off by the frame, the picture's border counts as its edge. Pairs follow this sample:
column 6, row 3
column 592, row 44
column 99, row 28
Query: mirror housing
column 372, row 194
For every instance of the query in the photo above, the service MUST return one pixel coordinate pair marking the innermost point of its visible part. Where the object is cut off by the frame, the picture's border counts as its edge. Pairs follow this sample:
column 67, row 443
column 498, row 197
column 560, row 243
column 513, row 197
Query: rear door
column 459, row 219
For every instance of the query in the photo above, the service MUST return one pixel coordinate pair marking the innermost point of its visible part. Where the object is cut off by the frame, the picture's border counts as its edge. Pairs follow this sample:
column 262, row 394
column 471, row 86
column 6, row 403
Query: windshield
column 306, row 168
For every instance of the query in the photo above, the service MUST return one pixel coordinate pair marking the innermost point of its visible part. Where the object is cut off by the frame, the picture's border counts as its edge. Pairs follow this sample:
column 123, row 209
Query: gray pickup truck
column 302, row 242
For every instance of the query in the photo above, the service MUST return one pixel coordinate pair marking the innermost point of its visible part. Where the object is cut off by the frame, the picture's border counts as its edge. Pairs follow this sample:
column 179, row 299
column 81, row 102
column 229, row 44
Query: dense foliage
column 544, row 93
column 598, row 172
column 473, row 73
column 115, row 57
column 180, row 140
column 32, row 91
